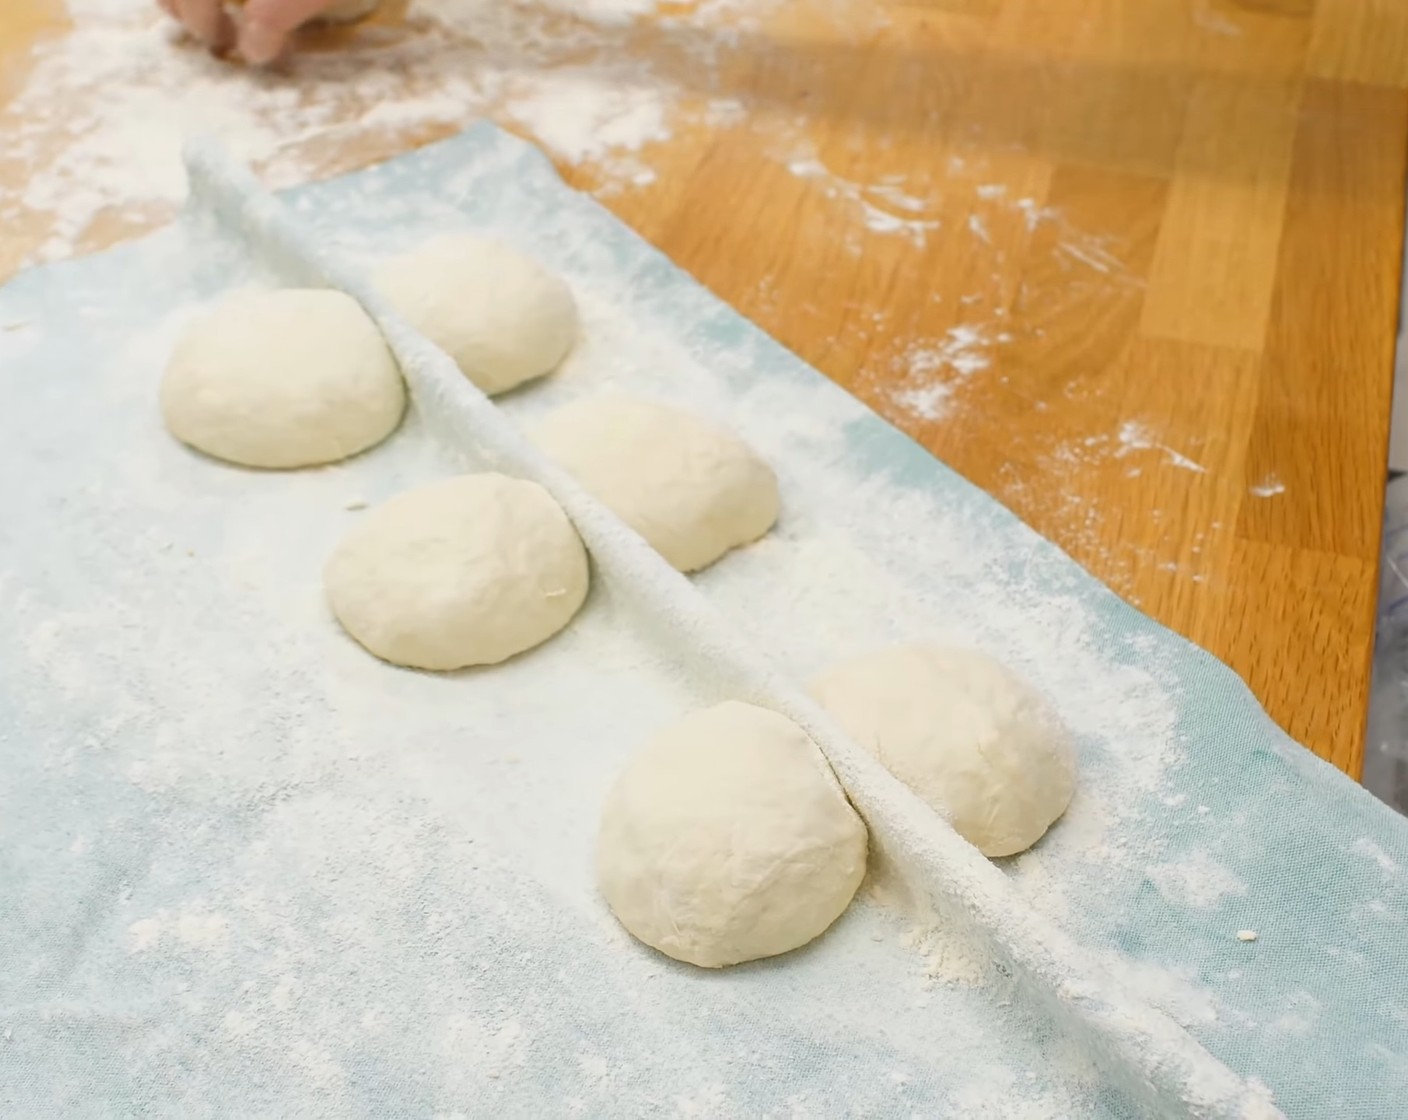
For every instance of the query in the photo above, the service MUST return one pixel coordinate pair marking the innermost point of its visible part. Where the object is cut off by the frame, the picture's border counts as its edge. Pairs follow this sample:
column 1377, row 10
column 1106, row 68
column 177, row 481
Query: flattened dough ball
column 502, row 316
column 466, row 571
column 282, row 379
column 965, row 733
column 727, row 839
column 692, row 490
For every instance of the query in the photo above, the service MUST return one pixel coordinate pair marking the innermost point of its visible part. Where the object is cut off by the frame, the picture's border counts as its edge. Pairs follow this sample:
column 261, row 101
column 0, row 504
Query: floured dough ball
column 288, row 378
column 727, row 839
column 466, row 571
column 968, row 736
column 692, row 490
column 503, row 317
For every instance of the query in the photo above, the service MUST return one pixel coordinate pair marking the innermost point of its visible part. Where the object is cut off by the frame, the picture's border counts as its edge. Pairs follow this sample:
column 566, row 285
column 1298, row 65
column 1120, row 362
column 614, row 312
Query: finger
column 268, row 23
column 169, row 7
column 206, row 20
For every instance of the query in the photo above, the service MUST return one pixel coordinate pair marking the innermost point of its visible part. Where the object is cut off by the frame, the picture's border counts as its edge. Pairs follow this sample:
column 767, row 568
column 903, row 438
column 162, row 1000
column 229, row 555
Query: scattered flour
column 349, row 826
column 1176, row 992
column 1269, row 487
column 190, row 929
column 1197, row 880
column 607, row 13
column 1367, row 848
column 1301, row 1015
column 96, row 130
column 963, row 350
column 1033, row 213
column 1209, row 19
column 138, row 96
column 883, row 207
column 143, row 934
column 950, row 953
column 1134, row 435
column 948, row 956
column 586, row 117
column 923, row 402
column 1091, row 254
column 921, row 381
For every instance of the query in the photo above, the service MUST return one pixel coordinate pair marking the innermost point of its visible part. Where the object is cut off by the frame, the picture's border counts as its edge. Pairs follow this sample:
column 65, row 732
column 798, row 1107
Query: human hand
column 262, row 31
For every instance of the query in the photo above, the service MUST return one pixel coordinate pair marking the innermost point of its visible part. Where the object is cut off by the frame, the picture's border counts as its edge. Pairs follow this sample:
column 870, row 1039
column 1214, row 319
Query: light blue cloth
column 236, row 881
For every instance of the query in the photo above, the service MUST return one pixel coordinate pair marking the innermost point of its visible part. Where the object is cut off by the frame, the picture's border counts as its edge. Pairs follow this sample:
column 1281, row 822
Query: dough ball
column 282, row 379
column 466, row 571
column 503, row 317
column 692, row 490
column 967, row 735
column 727, row 839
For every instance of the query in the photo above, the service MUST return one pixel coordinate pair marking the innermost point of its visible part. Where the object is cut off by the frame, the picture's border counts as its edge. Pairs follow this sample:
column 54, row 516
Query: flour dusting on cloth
column 252, row 864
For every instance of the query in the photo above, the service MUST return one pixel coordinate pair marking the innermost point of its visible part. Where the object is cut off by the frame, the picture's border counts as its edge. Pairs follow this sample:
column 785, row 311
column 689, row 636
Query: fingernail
column 259, row 43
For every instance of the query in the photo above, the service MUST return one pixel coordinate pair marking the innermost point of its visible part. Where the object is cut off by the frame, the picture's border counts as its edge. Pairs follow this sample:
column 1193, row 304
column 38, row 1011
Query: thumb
column 267, row 24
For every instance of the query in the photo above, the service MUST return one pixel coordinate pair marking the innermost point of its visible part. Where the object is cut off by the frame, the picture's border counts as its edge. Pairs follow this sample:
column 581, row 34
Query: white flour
column 1269, row 487
column 1135, row 436
column 97, row 128
column 925, row 378
column 1198, row 880
column 323, row 801
column 814, row 590
column 882, row 207
column 849, row 598
column 588, row 117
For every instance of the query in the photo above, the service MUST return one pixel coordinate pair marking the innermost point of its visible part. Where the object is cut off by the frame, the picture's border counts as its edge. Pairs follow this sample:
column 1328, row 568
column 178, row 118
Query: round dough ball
column 466, row 571
column 968, row 736
column 503, row 317
column 692, row 490
column 727, row 839
column 282, row 379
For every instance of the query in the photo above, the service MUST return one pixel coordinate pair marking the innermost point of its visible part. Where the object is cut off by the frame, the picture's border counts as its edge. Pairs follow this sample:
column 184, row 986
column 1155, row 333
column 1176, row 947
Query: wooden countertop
column 1131, row 266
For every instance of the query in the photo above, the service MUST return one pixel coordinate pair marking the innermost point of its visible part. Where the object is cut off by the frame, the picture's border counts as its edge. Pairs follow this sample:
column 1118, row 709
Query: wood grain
column 1216, row 266
column 1129, row 265
column 1361, row 41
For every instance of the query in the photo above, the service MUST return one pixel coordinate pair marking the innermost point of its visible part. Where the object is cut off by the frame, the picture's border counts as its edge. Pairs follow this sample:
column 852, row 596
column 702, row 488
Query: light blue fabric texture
column 184, row 930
